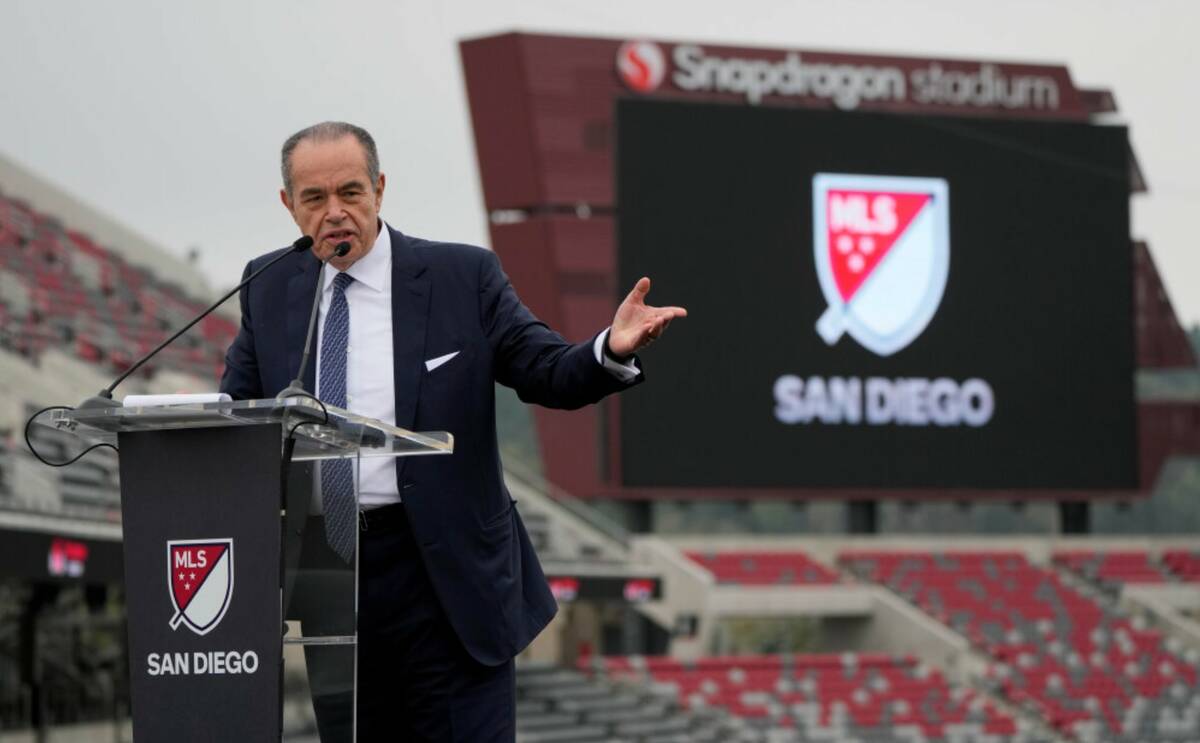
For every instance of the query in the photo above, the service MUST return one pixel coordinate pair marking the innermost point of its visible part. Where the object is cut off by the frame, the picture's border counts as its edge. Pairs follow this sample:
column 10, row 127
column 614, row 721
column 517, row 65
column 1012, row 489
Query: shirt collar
column 373, row 269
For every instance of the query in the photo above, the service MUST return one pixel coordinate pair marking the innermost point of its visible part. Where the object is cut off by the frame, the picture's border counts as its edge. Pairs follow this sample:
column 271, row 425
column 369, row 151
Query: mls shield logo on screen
column 200, row 579
column 882, row 246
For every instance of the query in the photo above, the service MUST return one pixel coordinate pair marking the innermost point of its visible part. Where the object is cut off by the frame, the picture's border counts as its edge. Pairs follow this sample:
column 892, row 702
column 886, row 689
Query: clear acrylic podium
column 242, row 620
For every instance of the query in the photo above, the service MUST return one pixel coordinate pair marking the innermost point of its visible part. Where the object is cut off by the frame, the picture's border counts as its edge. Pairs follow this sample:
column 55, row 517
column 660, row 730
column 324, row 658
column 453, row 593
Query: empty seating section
column 559, row 705
column 1183, row 564
column 1113, row 569
column 764, row 568
column 1093, row 675
column 59, row 288
column 851, row 696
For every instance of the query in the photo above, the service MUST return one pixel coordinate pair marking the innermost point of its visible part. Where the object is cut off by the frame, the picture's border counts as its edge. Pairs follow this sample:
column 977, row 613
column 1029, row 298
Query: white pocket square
column 432, row 364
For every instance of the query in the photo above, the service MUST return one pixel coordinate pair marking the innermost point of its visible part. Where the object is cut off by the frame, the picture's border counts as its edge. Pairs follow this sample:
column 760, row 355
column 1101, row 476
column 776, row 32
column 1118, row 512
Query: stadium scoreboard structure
column 906, row 277
column 878, row 300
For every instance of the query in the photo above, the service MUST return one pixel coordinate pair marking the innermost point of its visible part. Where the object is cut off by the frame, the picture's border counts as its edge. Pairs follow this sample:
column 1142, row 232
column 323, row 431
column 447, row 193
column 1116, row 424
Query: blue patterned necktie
column 337, row 475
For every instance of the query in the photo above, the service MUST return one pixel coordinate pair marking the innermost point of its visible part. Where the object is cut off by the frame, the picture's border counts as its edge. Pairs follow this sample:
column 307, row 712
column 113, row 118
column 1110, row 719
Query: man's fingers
column 669, row 312
column 655, row 328
column 650, row 322
column 639, row 291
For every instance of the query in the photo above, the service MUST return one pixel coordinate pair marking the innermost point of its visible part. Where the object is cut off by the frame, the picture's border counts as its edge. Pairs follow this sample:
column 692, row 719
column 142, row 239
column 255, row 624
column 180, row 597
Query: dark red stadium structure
column 543, row 114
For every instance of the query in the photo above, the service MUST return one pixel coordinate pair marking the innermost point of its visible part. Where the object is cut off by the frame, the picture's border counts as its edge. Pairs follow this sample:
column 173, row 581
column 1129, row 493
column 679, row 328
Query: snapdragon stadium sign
column 844, row 81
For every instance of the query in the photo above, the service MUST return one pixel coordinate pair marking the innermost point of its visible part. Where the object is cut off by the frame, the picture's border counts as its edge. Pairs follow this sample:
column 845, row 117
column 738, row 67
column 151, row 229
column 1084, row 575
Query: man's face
column 332, row 197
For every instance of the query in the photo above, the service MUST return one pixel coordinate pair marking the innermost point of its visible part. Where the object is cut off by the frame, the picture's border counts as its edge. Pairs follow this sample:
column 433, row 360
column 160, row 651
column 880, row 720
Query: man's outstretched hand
column 636, row 324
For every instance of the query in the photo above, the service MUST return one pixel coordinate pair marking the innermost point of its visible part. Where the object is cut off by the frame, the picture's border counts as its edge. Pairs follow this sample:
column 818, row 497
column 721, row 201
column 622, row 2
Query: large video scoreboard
column 909, row 277
column 877, row 301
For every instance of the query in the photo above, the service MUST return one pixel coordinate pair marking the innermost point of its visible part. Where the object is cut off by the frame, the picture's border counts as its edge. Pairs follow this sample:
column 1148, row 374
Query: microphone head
column 304, row 243
column 341, row 249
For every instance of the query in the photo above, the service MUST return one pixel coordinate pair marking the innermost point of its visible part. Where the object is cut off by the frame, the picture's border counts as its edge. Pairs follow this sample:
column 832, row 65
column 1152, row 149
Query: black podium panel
column 200, row 510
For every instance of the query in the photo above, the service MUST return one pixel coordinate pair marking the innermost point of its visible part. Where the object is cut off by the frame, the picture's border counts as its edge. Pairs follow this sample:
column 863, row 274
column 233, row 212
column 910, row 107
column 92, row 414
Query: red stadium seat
column 1112, row 569
column 764, row 568
column 1183, row 564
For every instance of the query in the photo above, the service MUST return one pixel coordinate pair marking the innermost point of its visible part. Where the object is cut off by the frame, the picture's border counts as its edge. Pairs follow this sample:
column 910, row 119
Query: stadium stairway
column 582, row 554
column 564, row 531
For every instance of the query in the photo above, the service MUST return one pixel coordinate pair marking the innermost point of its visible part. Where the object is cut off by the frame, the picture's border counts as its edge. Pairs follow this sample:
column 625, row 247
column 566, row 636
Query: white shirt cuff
column 624, row 372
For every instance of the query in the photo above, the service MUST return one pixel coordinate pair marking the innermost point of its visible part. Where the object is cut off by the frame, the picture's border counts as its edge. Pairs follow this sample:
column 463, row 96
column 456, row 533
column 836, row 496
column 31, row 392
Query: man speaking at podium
column 415, row 333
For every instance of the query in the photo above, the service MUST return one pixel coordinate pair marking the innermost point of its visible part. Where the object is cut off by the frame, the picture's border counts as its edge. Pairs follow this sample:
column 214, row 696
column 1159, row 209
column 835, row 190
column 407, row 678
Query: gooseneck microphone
column 296, row 387
column 104, row 398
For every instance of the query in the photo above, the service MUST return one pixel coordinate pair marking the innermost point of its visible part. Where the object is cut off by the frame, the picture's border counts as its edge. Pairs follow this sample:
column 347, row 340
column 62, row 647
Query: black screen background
column 715, row 205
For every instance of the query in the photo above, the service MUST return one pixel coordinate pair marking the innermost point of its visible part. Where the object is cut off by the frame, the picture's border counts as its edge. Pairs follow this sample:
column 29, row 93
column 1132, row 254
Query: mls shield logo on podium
column 200, row 581
column 882, row 248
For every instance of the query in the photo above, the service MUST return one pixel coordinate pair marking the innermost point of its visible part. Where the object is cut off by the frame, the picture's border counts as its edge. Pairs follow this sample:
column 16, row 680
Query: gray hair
column 326, row 131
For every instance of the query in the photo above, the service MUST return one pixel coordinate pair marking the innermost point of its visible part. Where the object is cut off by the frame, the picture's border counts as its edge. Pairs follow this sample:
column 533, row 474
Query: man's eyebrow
column 311, row 191
column 352, row 184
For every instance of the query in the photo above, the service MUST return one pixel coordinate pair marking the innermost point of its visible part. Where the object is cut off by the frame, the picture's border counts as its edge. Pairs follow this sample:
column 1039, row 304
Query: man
column 416, row 333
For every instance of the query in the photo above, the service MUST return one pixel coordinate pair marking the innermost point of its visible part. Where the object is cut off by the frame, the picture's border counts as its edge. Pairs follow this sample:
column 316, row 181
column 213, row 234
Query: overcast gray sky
column 168, row 115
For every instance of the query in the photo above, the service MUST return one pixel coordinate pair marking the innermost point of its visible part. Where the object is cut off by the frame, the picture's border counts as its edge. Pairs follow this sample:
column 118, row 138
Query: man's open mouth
column 338, row 236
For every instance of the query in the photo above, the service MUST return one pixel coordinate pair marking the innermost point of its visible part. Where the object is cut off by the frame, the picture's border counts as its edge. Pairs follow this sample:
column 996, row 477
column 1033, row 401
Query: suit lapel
column 301, row 288
column 411, row 291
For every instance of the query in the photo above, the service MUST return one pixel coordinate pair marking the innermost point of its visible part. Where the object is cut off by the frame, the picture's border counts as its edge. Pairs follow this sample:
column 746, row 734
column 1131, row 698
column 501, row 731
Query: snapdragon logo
column 641, row 65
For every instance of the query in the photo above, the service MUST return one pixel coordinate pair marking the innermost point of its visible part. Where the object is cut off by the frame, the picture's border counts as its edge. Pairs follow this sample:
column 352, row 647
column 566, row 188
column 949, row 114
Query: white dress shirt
column 370, row 368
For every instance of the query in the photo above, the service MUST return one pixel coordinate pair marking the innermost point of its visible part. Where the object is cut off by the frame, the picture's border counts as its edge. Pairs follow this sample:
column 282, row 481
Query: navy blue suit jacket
column 445, row 298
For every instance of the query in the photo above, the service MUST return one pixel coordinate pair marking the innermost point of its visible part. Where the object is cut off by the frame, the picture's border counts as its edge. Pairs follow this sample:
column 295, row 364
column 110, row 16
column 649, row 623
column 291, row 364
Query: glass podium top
column 321, row 431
